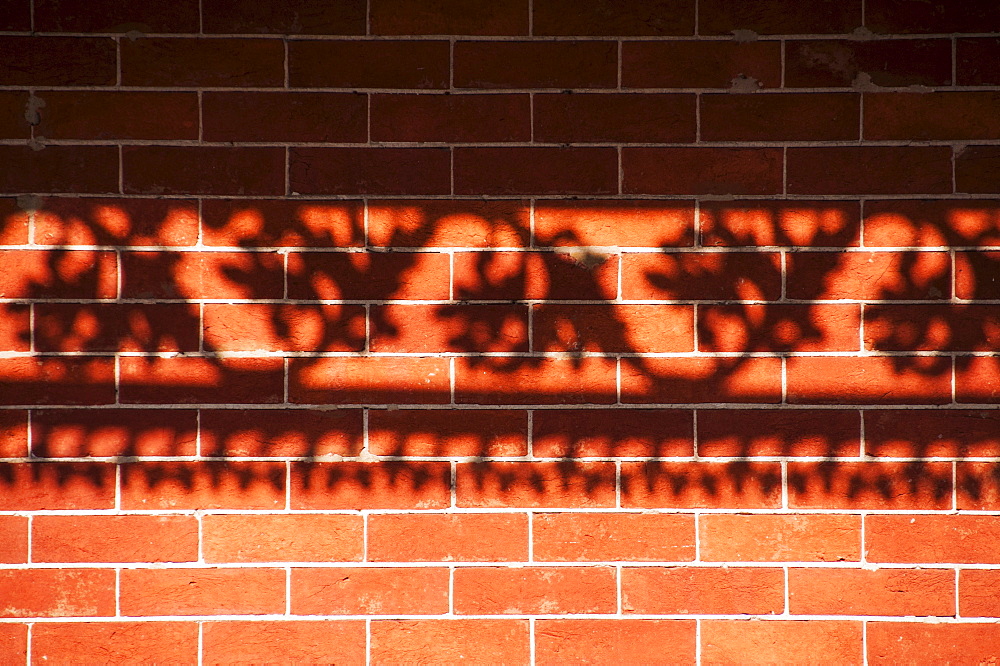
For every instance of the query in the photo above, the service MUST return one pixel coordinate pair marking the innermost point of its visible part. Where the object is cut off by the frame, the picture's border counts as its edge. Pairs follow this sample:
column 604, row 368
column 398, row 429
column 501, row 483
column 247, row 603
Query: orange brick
column 197, row 275
column 203, row 485
column 978, row 486
column 369, row 276
column 465, row 537
column 974, row 275
column 869, row 169
column 932, row 432
column 120, row 642
column 581, row 537
column 579, row 433
column 869, row 485
column 65, row 274
column 14, row 537
column 869, row 275
column 280, row 432
column 585, row 275
column 352, row 380
column 615, row 641
column 14, row 641
column 284, row 327
column 913, row 642
column 779, row 327
column 341, row 642
column 444, row 223
column 449, row 328
column 646, row 328
column 438, row 641
column 54, row 486
column 701, row 380
column 204, row 591
column 57, row 592
column 976, row 380
column 114, row 539
column 113, row 432
column 703, row 590
column 614, row 223
column 865, row 592
column 689, row 485
column 370, row 170
column 536, row 484
column 779, row 538
column 535, row 590
column 271, row 222
column 796, row 223
column 13, row 433
column 469, row 432
column 15, row 327
column 778, row 432
column 203, row 169
column 193, row 380
column 977, row 592
column 110, row 327
column 282, row 538
column 536, row 169
column 781, row 641
column 958, row 539
column 744, row 276
column 114, row 221
column 370, row 591
column 449, row 17
column 381, row 485
column 536, row 381
column 930, row 327
column 13, row 220
column 545, row 64
column 900, row 380
column 931, row 223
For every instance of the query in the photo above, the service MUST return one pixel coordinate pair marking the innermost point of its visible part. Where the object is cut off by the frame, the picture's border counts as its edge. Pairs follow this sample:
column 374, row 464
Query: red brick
column 974, row 61
column 784, row 117
column 371, row 485
column 701, row 485
column 284, row 327
column 115, row 16
column 932, row 539
column 932, row 433
column 413, row 171
column 464, row 537
column 779, row 538
column 371, row 276
column 931, row 223
column 13, row 222
column 57, row 61
column 16, row 17
column 449, row 17
column 57, row 592
column 913, row 16
column 871, row 592
column 200, row 380
column 118, row 115
column 796, row 223
column 203, row 591
column 700, row 64
column 570, row 275
column 890, row 63
column 370, row 591
column 280, row 432
column 566, row 484
column 869, row 170
column 705, row 275
column 774, row 17
column 614, row 641
column 113, row 432
column 95, row 327
column 614, row 223
column 442, row 223
column 920, row 642
column 629, row 18
column 203, row 170
column 15, row 327
column 202, row 485
column 43, row 380
column 91, row 169
column 977, row 592
column 978, row 486
column 977, row 380
column 977, row 169
column 781, row 641
column 975, row 275
column 701, row 380
column 100, row 642
column 437, row 641
column 449, row 328
column 779, row 327
column 452, row 118
column 282, row 538
column 355, row 380
column 571, row 433
column 613, row 328
column 285, row 116
column 13, row 124
column 211, row 62
column 869, row 275
column 270, row 222
column 58, row 274
column 937, row 116
column 601, row 537
column 469, row 432
column 901, row 380
column 197, row 275
column 778, row 432
column 285, row 17
column 534, row 590
column 57, row 486
column 13, row 433
column 614, row 117
column 368, row 64
column 930, row 327
column 869, row 485
column 548, row 64
column 703, row 590
column 341, row 642
column 14, row 540
column 536, row 170
column 702, row 170
column 106, row 221
column 114, row 539
column 550, row 381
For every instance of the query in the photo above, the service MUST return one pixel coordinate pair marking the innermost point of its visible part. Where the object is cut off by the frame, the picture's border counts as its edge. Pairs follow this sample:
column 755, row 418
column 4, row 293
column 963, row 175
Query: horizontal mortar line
column 516, row 510
column 562, row 249
column 514, row 406
column 558, row 355
column 477, row 302
column 493, row 564
column 444, row 144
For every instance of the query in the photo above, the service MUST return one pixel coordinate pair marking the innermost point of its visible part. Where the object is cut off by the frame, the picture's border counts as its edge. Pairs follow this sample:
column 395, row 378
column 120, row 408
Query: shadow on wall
column 291, row 328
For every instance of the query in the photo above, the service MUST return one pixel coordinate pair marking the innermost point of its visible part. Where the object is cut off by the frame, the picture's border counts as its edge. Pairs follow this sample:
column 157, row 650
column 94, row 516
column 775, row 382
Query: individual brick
column 773, row 17
column 76, row 169
column 778, row 432
column 280, row 432
column 610, row 641
column 16, row 17
column 69, row 274
column 57, row 592
column 47, row 380
column 57, row 61
column 916, row 485
column 202, row 591
column 930, row 223
column 780, row 117
column 779, row 538
column 603, row 537
column 534, row 590
column 871, row 592
column 282, row 538
column 973, row 61
column 614, row 117
column 368, row 64
column 469, row 432
column 779, row 327
column 742, row 276
column 978, row 486
column 284, row 17
column 550, row 276
column 977, row 169
column 869, row 275
column 795, row 223
column 932, row 433
column 631, row 18
column 463, row 537
column 703, row 590
column 910, row 16
column 372, row 379
column 614, row 223
column 450, row 640
column 289, row 223
column 701, row 380
column 104, row 327
column 200, row 275
column 14, row 534
column 977, row 592
column 118, row 115
column 379, row 170
column 115, row 16
column 369, row 276
column 584, row 485
column 370, row 485
column 322, row 641
column 934, row 117
column 171, row 486
column 283, row 327
column 13, row 222
column 448, row 223
column 546, row 64
column 869, row 170
column 701, row 485
column 285, row 116
column 700, row 64
column 580, row 433
column 900, row 380
column 14, row 433
column 886, row 62
column 15, row 327
column 370, row 591
column 900, row 642
column 701, row 170
column 116, row 221
column 203, row 170
column 114, row 539
column 645, row 328
column 930, row 327
column 551, row 381
column 450, row 118
column 202, row 62
column 975, row 275
column 448, row 328
column 57, row 486
column 536, row 170
column 781, row 641
column 449, row 17
column 179, row 380
column 13, row 124
column 958, row 539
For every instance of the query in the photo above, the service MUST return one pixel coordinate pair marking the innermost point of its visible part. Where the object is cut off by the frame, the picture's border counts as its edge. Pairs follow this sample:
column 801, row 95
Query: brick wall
column 510, row 331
